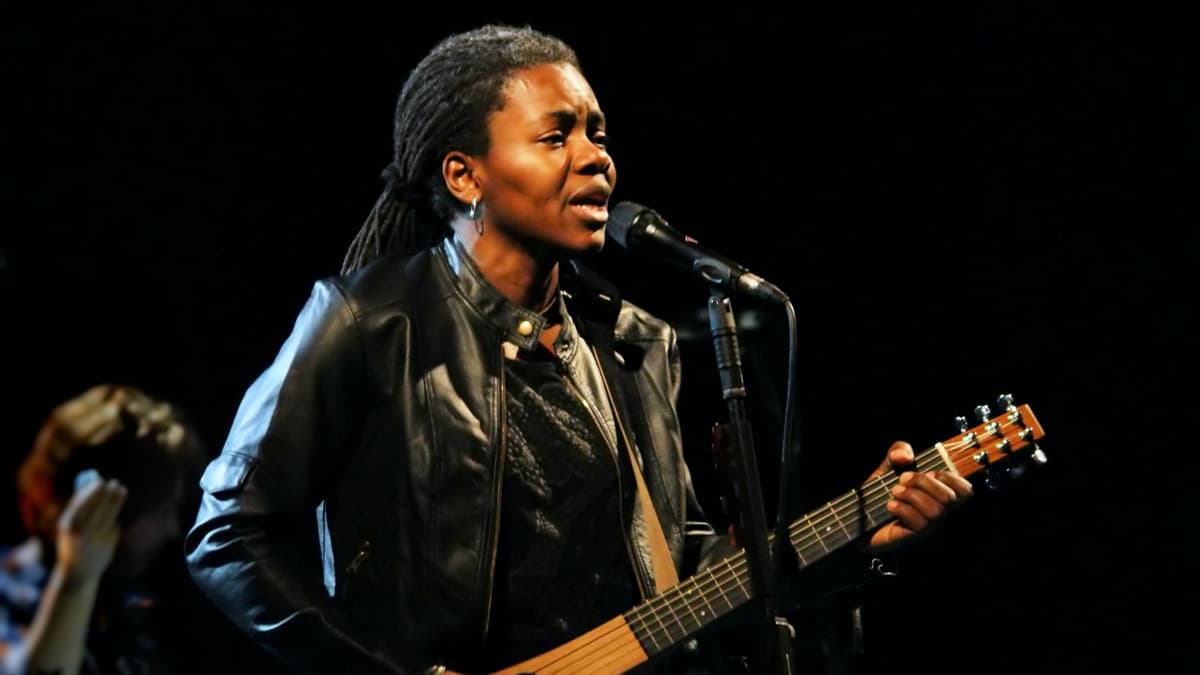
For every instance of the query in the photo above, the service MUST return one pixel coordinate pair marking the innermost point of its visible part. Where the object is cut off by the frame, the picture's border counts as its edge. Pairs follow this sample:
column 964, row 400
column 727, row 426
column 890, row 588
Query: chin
column 595, row 242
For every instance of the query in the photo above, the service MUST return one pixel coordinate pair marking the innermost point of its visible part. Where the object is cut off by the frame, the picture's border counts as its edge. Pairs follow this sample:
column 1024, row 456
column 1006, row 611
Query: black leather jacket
column 350, row 522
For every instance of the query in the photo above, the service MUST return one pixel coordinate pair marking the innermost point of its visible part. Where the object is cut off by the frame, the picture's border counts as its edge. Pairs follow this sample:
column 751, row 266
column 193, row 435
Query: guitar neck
column 664, row 620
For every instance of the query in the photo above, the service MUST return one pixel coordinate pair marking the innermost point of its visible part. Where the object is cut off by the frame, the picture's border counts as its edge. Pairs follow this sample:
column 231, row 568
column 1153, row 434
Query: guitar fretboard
column 664, row 620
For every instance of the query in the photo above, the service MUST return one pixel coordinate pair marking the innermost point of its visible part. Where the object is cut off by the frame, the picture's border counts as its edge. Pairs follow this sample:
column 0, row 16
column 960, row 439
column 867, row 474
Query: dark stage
column 960, row 201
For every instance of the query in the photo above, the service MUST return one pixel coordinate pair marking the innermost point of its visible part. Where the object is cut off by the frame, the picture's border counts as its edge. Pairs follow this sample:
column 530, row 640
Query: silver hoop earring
column 477, row 215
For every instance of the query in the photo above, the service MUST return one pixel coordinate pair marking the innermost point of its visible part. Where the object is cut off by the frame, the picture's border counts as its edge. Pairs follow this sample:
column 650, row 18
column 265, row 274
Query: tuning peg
column 1005, row 402
column 961, row 423
column 982, row 412
column 1038, row 456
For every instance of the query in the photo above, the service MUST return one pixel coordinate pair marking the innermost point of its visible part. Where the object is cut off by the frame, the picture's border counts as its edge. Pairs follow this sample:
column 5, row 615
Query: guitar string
column 883, row 485
column 583, row 651
column 608, row 653
column 625, row 651
column 733, row 566
column 736, row 563
column 732, row 570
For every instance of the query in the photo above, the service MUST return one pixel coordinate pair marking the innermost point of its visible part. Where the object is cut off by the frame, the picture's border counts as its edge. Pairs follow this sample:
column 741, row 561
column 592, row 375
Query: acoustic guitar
column 661, row 623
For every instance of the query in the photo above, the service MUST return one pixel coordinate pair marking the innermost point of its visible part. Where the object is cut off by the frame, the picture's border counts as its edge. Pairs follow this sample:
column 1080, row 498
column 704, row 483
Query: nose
column 593, row 159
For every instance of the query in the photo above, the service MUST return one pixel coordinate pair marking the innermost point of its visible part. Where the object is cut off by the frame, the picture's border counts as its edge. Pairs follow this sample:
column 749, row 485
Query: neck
column 521, row 276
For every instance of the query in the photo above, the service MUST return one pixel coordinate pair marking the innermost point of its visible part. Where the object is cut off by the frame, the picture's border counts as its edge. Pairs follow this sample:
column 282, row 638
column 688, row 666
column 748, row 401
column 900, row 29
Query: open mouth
column 591, row 207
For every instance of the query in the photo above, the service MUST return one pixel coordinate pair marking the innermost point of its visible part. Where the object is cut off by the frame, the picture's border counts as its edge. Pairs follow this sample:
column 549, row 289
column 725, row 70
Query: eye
column 600, row 138
column 555, row 138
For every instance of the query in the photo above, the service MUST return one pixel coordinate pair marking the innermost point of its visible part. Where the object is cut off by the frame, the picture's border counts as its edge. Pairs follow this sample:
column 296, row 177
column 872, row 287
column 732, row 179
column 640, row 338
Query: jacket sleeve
column 253, row 548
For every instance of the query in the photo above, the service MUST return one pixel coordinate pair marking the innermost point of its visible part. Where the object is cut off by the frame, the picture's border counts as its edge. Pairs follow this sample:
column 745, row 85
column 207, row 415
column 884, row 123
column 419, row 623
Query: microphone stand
column 752, row 516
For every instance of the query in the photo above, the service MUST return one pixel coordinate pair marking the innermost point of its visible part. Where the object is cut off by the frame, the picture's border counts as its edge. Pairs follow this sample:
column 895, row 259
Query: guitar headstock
column 996, row 440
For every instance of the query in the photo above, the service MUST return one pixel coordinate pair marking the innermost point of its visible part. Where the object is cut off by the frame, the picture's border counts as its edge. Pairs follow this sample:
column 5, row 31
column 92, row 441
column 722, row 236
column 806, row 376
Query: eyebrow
column 567, row 118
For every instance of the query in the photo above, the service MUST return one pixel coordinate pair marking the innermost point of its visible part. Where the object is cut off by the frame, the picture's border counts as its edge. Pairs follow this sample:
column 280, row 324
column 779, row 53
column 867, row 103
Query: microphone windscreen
column 621, row 218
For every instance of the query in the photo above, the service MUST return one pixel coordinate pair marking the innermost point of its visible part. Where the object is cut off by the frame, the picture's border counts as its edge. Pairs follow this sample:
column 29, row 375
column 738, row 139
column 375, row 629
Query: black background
column 961, row 201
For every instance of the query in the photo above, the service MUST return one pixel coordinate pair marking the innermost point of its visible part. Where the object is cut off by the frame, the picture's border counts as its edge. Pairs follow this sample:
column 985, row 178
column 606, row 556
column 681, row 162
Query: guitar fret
column 816, row 532
column 849, row 537
column 814, row 552
column 644, row 629
column 878, row 503
column 712, row 613
column 687, row 597
column 676, row 617
column 737, row 577
column 719, row 586
column 654, row 613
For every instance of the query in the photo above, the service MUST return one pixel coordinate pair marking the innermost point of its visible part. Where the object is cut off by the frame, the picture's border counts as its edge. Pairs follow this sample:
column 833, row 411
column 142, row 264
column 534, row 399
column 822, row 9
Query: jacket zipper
column 639, row 570
column 497, row 489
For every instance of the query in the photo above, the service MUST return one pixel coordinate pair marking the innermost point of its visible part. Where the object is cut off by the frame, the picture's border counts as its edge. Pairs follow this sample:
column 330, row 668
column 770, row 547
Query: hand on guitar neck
column 918, row 502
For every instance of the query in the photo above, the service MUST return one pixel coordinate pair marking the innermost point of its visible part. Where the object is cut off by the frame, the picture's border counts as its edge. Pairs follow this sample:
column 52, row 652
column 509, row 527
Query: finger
column 920, row 500
column 900, row 455
column 929, row 484
column 81, row 507
column 907, row 515
column 961, row 486
column 890, row 534
column 105, row 515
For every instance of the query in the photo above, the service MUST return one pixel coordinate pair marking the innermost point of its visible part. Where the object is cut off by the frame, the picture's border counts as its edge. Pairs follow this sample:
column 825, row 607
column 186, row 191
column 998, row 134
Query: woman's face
column 547, row 175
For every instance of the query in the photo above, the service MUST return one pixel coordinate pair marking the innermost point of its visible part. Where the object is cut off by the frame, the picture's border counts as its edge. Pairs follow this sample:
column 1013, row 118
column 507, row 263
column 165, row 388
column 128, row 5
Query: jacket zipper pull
column 359, row 557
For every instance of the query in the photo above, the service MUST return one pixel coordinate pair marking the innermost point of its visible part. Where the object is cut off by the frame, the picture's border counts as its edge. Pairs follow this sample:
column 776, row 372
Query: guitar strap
column 597, row 321
column 660, row 554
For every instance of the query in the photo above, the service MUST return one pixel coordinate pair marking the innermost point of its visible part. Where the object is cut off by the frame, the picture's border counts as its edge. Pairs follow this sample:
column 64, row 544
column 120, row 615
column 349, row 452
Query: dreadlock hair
column 444, row 106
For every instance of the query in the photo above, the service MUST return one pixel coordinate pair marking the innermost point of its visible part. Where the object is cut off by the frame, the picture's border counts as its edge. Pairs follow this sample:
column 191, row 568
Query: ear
column 459, row 172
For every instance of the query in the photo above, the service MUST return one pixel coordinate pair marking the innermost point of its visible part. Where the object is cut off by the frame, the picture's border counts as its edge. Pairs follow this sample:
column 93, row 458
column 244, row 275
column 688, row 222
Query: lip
column 590, row 204
column 595, row 215
column 593, row 194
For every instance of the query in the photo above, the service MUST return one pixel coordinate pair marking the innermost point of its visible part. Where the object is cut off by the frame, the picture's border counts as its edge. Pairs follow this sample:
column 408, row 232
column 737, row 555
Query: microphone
column 638, row 228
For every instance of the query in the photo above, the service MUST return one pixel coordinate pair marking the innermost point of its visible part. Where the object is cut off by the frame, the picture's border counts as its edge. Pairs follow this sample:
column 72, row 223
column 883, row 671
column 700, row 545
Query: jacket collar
column 516, row 324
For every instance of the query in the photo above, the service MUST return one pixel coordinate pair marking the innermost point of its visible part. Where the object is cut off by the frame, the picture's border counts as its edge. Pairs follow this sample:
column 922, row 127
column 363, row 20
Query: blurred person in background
column 100, row 496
